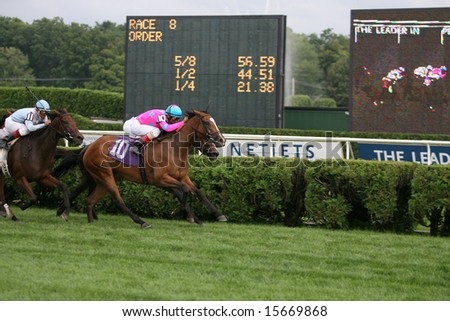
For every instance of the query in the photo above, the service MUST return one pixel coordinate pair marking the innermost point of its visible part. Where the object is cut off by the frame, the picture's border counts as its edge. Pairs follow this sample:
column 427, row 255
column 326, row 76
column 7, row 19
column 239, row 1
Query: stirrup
column 135, row 150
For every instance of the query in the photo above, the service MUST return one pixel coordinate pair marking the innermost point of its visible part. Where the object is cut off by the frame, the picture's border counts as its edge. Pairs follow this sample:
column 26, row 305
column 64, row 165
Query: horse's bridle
column 209, row 135
column 65, row 134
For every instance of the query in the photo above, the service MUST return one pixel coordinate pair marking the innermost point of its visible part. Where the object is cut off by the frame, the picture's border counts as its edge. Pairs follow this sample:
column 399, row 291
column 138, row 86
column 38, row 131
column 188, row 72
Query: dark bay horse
column 165, row 163
column 31, row 158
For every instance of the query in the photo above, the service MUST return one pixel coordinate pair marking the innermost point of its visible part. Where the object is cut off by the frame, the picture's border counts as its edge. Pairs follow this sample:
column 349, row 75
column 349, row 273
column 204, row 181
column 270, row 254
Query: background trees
column 49, row 52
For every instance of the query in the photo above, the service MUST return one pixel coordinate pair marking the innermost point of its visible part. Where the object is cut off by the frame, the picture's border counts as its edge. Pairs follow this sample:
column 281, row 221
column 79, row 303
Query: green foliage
column 300, row 101
column 325, row 209
column 430, row 201
column 338, row 81
column 73, row 56
column 324, row 102
column 14, row 69
column 247, row 188
column 305, row 70
column 360, row 194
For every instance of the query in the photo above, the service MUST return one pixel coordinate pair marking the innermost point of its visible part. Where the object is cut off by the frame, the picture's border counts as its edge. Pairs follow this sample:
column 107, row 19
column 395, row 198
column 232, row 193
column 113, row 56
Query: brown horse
column 165, row 166
column 31, row 158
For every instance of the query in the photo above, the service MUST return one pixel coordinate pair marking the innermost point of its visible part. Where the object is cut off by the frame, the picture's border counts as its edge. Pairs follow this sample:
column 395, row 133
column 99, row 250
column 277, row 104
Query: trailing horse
column 165, row 164
column 31, row 158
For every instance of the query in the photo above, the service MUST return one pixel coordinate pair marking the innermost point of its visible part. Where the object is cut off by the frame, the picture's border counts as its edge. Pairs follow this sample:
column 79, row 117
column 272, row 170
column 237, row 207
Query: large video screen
column 399, row 65
column 232, row 66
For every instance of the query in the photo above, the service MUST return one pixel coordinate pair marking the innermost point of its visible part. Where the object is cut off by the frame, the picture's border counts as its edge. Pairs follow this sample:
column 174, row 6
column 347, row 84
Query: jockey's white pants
column 134, row 128
column 11, row 127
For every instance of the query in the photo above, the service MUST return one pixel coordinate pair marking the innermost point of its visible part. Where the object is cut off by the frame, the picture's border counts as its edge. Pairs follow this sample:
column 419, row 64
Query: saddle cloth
column 120, row 151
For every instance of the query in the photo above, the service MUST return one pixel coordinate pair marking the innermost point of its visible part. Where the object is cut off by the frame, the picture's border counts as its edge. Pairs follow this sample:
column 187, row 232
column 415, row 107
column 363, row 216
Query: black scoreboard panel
column 399, row 63
column 232, row 66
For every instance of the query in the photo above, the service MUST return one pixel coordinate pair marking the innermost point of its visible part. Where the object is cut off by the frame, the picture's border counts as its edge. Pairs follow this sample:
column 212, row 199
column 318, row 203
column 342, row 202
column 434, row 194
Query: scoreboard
column 399, row 67
column 231, row 66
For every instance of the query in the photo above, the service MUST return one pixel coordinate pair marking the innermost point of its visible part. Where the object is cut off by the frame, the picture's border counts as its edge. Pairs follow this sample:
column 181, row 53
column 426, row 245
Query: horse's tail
column 8, row 113
column 69, row 159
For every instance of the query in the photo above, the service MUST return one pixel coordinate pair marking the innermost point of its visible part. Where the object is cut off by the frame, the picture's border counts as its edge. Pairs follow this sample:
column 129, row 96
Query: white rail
column 276, row 138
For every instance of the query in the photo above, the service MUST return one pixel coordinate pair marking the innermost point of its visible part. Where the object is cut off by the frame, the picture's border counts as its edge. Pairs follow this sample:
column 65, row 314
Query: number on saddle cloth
column 120, row 151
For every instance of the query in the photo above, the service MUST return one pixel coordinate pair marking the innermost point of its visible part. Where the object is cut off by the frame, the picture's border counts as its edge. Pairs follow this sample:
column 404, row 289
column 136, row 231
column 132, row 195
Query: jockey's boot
column 4, row 141
column 137, row 146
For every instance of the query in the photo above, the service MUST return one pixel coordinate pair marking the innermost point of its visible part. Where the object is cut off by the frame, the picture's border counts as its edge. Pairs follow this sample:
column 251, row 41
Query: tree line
column 49, row 52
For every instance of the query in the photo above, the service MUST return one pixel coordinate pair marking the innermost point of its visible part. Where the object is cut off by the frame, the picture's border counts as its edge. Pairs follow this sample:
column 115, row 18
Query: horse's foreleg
column 51, row 181
column 5, row 211
column 182, row 197
column 202, row 197
column 82, row 186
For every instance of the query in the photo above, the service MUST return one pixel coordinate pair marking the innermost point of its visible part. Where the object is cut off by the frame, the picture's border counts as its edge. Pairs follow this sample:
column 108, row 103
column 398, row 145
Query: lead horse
column 165, row 165
column 31, row 159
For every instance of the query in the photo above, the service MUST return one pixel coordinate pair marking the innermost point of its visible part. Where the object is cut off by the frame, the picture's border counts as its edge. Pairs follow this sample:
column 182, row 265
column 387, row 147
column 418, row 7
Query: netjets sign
column 269, row 147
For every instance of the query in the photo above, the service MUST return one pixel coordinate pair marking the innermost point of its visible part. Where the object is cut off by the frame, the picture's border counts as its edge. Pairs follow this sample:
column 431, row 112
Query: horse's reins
column 66, row 134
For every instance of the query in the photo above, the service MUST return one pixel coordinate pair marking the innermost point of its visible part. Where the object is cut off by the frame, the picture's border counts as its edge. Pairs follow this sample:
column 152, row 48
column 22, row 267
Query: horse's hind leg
column 94, row 196
column 100, row 191
column 2, row 196
column 23, row 183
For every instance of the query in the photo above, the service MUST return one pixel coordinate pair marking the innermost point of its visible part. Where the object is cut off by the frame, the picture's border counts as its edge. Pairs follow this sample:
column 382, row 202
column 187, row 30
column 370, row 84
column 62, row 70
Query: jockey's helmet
column 42, row 105
column 174, row 111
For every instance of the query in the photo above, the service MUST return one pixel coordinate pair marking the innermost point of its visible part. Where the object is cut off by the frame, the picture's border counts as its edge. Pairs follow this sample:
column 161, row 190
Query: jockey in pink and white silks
column 24, row 121
column 151, row 123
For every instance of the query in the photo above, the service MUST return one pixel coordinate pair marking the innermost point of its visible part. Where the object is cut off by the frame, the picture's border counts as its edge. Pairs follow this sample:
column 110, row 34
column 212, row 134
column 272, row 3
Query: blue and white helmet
column 174, row 111
column 42, row 105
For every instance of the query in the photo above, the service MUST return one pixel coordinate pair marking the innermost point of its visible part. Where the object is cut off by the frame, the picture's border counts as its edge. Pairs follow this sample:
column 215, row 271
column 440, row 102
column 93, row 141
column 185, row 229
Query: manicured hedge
column 384, row 196
column 89, row 103
column 430, row 200
column 324, row 102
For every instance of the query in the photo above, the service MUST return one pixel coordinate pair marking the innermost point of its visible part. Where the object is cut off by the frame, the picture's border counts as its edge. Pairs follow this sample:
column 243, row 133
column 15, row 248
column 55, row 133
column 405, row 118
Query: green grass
column 44, row 258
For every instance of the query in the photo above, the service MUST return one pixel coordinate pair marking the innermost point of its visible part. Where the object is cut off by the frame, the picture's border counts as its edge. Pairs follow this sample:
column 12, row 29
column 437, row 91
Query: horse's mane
column 191, row 114
column 56, row 113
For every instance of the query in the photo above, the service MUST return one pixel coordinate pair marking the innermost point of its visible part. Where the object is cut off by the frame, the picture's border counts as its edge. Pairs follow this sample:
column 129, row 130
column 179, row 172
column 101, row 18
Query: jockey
column 150, row 123
column 25, row 120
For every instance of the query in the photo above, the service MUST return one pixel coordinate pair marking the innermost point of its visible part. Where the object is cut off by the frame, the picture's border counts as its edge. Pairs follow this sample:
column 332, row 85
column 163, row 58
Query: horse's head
column 65, row 126
column 205, row 128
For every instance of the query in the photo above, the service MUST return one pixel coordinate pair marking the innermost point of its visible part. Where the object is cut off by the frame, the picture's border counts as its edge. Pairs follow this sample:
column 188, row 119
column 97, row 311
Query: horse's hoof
column 146, row 225
column 222, row 218
column 65, row 216
column 190, row 220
